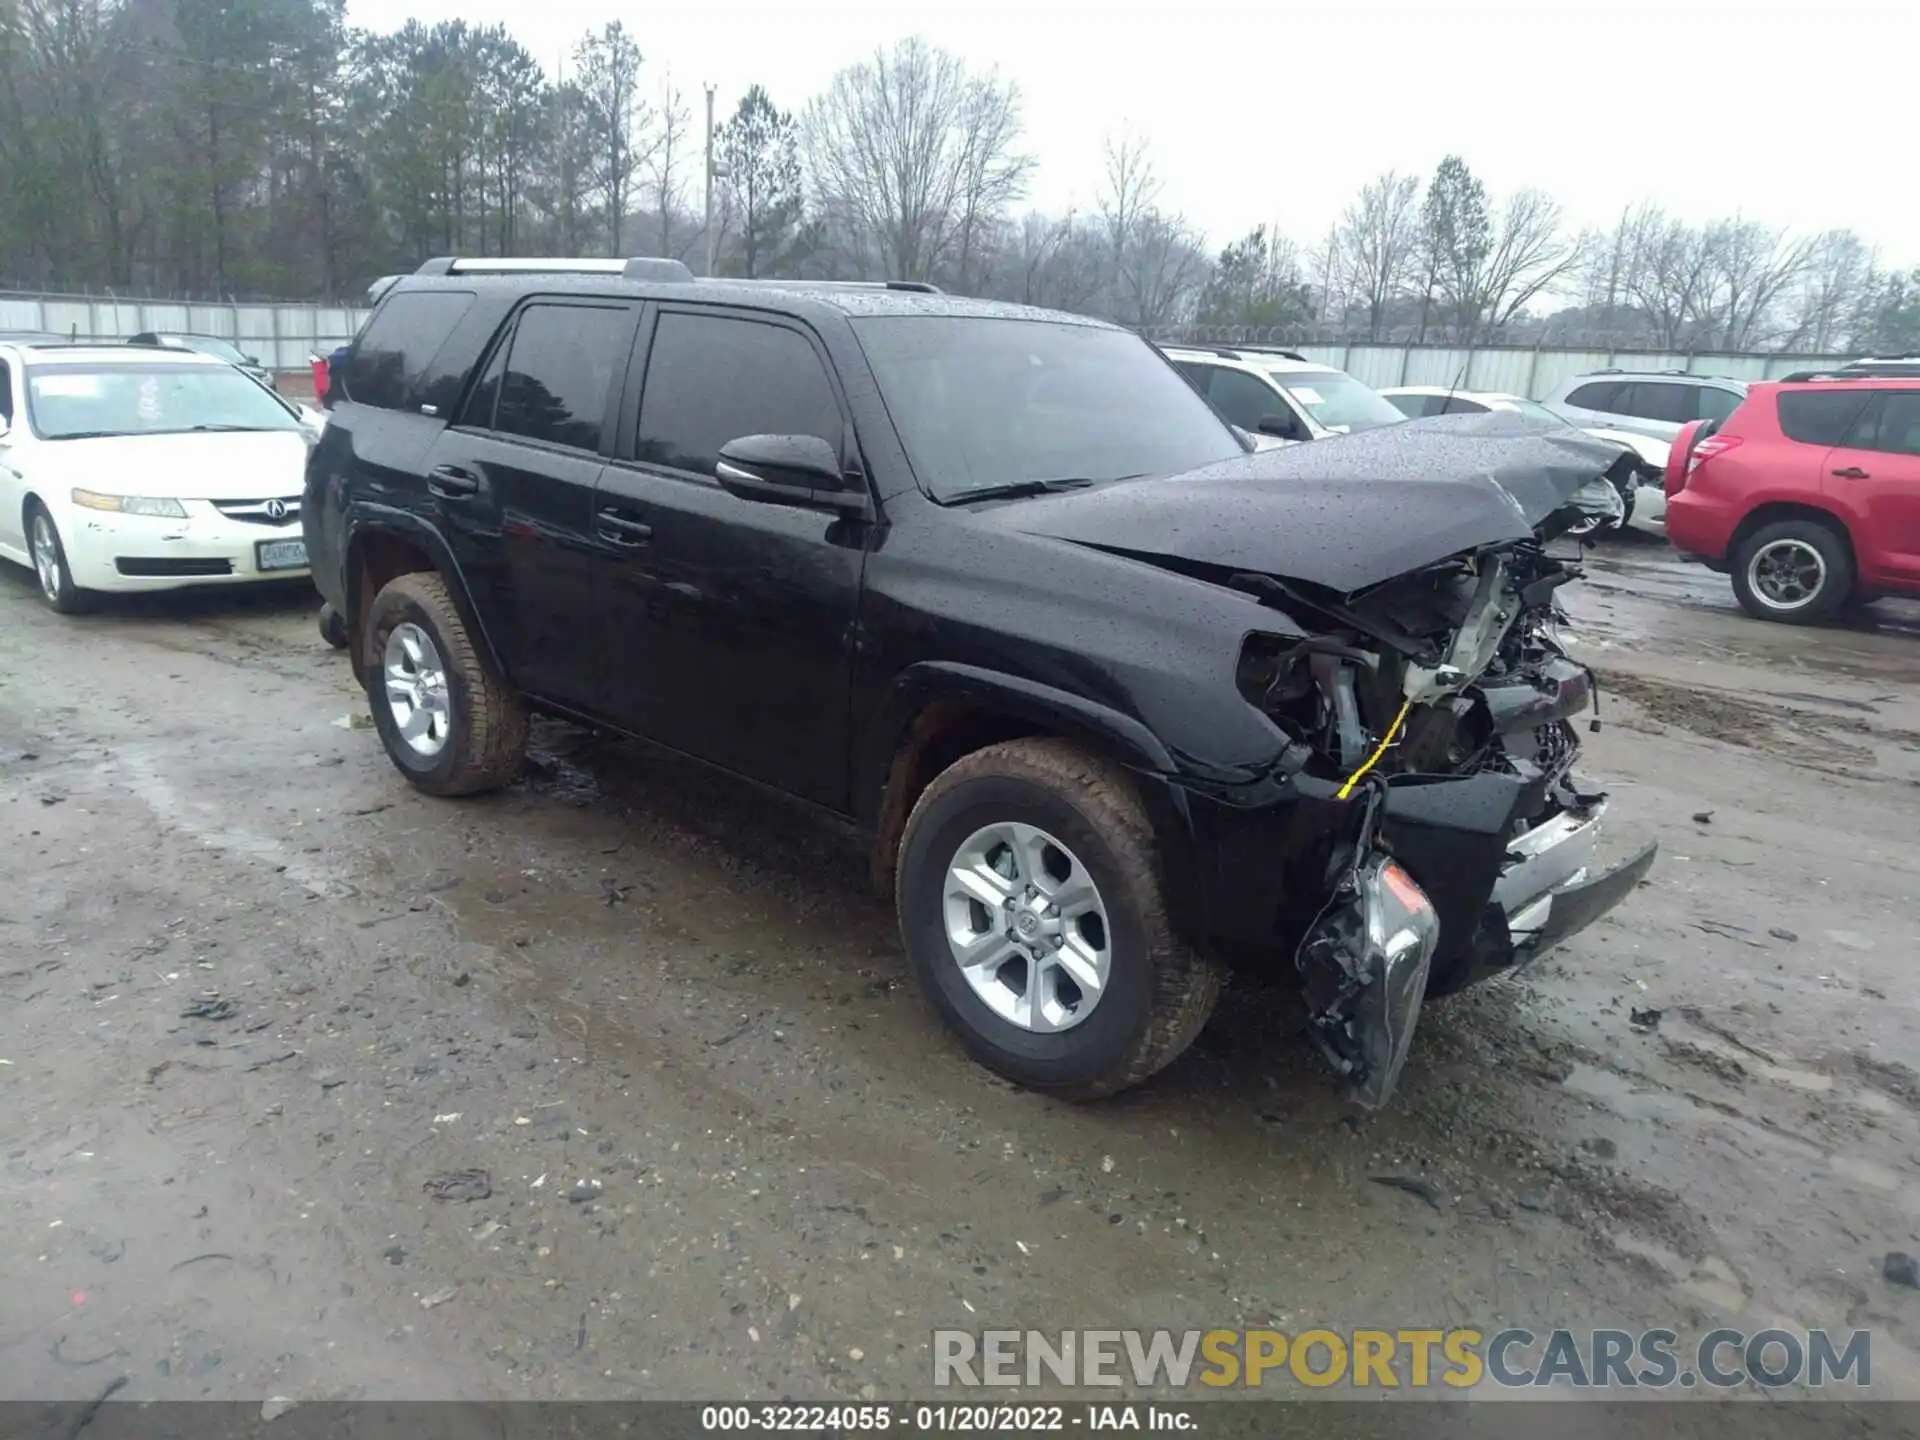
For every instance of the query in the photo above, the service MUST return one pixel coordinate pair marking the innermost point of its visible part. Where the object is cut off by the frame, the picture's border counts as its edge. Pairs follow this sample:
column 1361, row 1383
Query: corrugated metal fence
column 283, row 336
column 1533, row 371
column 279, row 336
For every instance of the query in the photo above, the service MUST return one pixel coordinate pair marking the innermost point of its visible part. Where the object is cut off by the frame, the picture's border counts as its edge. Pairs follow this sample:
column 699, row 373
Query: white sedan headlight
column 131, row 504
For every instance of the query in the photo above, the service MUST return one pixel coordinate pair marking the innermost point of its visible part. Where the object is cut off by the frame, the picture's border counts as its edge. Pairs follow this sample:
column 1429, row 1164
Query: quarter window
column 1599, row 396
column 399, row 345
column 1819, row 417
column 1716, row 404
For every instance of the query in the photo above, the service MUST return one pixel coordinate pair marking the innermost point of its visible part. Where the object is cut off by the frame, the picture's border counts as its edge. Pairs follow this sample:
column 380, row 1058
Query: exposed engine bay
column 1445, row 666
column 1453, row 670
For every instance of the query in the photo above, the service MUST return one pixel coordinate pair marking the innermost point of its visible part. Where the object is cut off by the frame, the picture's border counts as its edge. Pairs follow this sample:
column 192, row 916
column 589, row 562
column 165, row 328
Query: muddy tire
column 333, row 627
column 1083, row 832
column 450, row 725
column 52, row 574
column 1795, row 572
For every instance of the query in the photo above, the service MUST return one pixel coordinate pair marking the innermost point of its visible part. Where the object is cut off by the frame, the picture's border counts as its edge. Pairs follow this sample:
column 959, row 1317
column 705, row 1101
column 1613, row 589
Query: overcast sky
column 1276, row 112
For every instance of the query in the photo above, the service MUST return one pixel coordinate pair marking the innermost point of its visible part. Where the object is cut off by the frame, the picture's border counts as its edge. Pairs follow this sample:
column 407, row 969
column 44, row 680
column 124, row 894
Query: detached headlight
column 131, row 504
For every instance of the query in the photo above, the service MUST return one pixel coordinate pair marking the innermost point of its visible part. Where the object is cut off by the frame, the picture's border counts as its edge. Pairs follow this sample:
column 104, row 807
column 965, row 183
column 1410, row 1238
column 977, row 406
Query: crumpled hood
column 1344, row 513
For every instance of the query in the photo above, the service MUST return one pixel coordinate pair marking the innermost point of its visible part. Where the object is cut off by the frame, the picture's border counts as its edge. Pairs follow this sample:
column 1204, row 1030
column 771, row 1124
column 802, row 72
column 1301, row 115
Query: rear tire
column 333, row 627
column 450, row 725
column 1091, row 829
column 50, row 568
column 1794, row 572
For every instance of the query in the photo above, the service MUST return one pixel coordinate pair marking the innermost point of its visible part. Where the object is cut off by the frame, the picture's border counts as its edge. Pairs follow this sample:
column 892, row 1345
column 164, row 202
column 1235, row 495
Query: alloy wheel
column 1028, row 927
column 417, row 691
column 46, row 556
column 1786, row 574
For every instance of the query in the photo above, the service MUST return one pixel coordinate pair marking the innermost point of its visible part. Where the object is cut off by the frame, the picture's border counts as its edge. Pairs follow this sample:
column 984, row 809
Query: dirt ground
column 727, row 1150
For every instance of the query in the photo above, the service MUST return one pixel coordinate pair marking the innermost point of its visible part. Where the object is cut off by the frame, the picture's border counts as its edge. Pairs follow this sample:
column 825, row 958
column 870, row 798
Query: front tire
column 1034, row 915
column 50, row 566
column 1795, row 572
column 450, row 725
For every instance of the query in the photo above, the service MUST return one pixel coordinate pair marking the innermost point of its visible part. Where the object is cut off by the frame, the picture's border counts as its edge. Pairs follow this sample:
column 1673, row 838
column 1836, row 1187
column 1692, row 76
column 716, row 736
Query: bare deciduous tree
column 993, row 174
column 1375, row 243
column 1839, row 275
column 667, row 161
column 608, row 67
column 917, row 150
column 1530, row 254
column 1752, row 267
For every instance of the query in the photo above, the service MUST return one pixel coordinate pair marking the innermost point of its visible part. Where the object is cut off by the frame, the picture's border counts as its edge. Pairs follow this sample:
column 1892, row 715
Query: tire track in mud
column 1845, row 745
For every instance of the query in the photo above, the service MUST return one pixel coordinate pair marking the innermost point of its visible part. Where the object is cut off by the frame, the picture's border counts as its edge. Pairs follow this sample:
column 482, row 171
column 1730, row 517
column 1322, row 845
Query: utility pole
column 713, row 240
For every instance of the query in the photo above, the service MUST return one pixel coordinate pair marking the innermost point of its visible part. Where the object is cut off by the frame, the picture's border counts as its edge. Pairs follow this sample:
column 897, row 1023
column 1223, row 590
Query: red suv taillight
column 1708, row 448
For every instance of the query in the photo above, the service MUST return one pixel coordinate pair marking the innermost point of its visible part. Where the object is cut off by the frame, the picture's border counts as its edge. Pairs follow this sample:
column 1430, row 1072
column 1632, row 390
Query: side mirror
column 787, row 470
column 1287, row 427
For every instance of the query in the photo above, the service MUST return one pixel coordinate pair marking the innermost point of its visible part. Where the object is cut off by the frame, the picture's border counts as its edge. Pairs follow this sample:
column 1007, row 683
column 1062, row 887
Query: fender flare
column 1114, row 735
column 365, row 520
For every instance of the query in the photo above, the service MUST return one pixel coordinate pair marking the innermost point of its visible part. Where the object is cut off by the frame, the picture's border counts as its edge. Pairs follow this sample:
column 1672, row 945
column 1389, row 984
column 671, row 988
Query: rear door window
column 400, row 343
column 715, row 378
column 1655, row 400
column 1892, row 426
column 1820, row 417
column 559, row 368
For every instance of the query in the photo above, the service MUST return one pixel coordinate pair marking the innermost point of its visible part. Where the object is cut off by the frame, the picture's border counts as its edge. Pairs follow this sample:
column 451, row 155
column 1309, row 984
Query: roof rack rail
column 912, row 287
column 1852, row 372
column 1274, row 350
column 639, row 267
column 66, row 344
column 1882, row 367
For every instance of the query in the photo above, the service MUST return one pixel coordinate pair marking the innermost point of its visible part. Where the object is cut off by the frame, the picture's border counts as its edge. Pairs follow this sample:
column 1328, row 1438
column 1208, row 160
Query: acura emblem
column 276, row 509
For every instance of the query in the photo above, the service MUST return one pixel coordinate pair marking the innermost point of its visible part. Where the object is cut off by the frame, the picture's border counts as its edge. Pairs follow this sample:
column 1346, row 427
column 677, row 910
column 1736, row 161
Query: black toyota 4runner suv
column 1118, row 700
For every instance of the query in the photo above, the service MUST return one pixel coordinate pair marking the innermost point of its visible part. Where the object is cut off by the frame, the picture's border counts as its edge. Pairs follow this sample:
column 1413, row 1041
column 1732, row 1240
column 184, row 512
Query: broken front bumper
column 1549, row 890
column 1488, row 893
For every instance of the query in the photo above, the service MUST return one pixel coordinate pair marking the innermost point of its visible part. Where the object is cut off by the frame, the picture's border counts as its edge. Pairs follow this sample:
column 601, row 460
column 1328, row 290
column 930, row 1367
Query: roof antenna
column 1454, row 389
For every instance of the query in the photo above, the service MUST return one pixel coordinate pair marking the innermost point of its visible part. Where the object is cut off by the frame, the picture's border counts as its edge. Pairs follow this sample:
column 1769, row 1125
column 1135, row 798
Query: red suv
column 1808, row 494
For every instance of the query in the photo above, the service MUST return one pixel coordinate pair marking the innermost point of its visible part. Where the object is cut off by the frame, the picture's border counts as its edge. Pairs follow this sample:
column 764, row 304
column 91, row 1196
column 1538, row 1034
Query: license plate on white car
column 280, row 555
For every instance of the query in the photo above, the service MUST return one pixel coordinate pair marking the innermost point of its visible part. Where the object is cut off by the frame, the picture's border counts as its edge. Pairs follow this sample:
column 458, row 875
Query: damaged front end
column 1440, row 705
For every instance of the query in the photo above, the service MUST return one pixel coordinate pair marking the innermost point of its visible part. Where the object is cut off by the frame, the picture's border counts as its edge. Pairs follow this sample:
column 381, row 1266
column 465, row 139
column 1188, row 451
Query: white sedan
column 132, row 469
column 1649, row 498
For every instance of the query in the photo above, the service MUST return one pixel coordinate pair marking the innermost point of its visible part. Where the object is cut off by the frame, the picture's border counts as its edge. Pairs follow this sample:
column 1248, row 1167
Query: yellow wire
column 1373, row 759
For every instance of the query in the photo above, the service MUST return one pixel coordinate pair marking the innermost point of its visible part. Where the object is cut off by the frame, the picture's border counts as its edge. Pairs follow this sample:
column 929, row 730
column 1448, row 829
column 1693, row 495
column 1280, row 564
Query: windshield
column 989, row 402
column 68, row 401
column 1337, row 401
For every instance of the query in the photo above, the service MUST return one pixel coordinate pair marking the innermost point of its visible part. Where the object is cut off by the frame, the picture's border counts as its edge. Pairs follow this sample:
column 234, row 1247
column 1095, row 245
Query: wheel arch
column 1772, row 512
column 387, row 544
column 938, row 712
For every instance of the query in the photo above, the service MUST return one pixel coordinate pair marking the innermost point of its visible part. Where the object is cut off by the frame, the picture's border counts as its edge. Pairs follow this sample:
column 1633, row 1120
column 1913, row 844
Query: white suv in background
column 1655, row 403
column 1280, row 393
